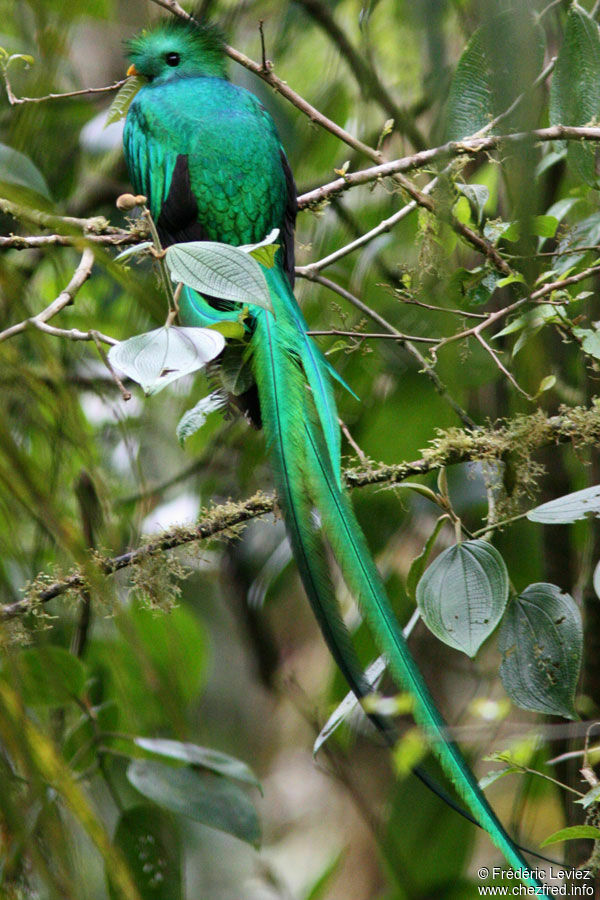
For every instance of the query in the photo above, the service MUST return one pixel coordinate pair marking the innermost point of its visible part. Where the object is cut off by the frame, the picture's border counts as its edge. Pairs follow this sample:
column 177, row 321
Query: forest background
column 158, row 657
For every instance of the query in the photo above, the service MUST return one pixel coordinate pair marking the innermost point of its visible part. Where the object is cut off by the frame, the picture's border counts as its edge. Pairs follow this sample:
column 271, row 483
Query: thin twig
column 93, row 225
column 80, row 276
column 263, row 49
column 383, row 227
column 97, row 338
column 500, row 364
column 346, row 432
column 72, row 334
column 84, row 92
column 534, row 297
column 370, row 335
column 407, row 344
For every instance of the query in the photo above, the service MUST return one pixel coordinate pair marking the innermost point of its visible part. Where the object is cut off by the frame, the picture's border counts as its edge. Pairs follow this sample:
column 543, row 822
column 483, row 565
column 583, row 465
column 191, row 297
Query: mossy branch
column 520, row 437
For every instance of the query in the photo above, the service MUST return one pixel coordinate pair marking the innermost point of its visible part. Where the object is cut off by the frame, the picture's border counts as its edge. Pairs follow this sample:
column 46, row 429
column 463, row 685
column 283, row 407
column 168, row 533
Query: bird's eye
column 172, row 59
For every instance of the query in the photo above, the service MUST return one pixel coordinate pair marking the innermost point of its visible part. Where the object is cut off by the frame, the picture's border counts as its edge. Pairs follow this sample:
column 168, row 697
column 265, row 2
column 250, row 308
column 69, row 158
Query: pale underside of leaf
column 157, row 358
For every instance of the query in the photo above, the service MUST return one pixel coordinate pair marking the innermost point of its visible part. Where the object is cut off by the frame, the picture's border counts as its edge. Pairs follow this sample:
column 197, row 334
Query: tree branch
column 579, row 425
column 470, row 146
column 80, row 276
column 84, row 92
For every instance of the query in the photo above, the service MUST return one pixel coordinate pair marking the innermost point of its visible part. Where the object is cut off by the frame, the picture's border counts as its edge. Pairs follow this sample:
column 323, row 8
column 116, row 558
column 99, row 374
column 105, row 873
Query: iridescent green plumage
column 208, row 157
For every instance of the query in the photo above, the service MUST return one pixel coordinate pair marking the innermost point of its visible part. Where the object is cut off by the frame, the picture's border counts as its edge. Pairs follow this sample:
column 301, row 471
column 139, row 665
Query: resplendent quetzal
column 208, row 158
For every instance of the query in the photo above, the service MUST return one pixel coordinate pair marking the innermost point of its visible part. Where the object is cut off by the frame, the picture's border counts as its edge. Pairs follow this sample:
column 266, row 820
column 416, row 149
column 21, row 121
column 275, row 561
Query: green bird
column 208, row 158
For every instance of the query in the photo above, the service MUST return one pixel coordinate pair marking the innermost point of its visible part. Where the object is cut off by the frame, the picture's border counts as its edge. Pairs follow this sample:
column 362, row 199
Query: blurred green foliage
column 85, row 811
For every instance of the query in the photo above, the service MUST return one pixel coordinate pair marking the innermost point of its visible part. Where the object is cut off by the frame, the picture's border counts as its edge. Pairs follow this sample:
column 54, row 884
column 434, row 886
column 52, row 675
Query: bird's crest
column 175, row 47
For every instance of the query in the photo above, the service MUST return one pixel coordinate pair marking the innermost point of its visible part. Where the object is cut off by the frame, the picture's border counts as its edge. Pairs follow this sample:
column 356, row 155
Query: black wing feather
column 289, row 220
column 178, row 220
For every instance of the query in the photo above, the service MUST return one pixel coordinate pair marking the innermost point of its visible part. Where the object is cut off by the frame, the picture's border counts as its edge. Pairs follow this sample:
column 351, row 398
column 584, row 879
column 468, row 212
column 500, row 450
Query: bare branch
column 470, row 146
column 80, row 276
column 35, row 241
column 84, row 92
column 366, row 335
column 93, row 225
column 402, row 339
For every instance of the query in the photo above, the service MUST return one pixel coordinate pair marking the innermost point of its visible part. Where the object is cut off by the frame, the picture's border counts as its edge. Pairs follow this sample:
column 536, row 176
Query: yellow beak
column 132, row 70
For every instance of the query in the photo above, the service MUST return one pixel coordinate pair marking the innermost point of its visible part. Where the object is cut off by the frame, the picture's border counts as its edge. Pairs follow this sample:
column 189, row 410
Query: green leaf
column 477, row 195
column 486, row 81
column 586, row 233
column 590, row 797
column 533, row 320
column 541, row 643
column 546, row 384
column 231, row 330
column 568, row 508
column 574, row 833
column 151, row 847
column 417, row 567
column 508, row 231
column 319, row 889
column 205, row 757
column 80, row 746
column 575, row 88
column 119, row 107
column 463, row 594
column 219, row 270
column 235, row 371
column 544, row 226
column 195, row 417
column 470, row 100
column 203, row 796
column 591, row 343
column 264, row 252
column 511, row 279
column 409, row 751
column 17, row 169
column 159, row 357
column 49, row 676
column 562, row 207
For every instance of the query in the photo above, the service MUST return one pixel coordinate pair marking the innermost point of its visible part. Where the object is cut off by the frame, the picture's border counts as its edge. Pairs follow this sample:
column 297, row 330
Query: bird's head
column 177, row 49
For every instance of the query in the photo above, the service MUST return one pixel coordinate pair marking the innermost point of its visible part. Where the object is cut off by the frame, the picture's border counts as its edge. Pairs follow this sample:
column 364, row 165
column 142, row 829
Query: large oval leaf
column 211, row 799
column 158, row 357
column 463, row 594
column 205, row 757
column 541, row 642
column 50, row 676
column 17, row 169
column 568, row 508
column 506, row 52
column 151, row 847
column 575, row 89
column 470, row 101
column 219, row 270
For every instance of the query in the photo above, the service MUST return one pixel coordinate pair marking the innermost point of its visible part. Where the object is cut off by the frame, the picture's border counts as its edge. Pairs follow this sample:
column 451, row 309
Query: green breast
column 233, row 152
